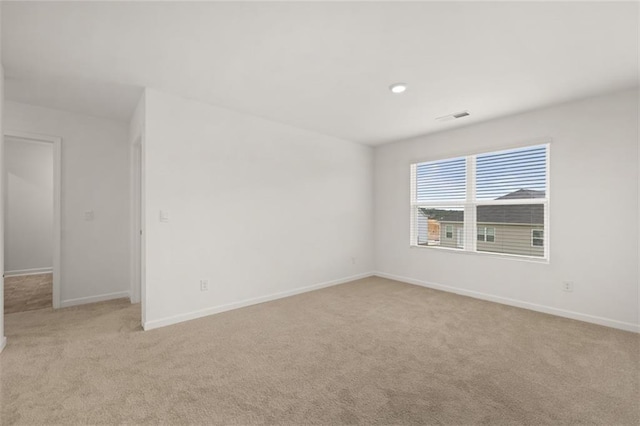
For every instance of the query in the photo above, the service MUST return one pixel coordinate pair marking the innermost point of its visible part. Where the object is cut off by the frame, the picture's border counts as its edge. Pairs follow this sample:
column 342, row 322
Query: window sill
column 516, row 257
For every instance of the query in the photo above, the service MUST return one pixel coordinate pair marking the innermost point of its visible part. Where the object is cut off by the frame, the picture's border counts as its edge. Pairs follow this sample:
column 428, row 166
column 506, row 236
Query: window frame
column 470, row 203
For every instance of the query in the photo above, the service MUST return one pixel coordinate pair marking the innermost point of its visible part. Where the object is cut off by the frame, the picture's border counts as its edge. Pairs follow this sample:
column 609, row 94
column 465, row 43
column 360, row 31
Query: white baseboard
column 32, row 271
column 607, row 322
column 93, row 299
column 163, row 322
column 3, row 343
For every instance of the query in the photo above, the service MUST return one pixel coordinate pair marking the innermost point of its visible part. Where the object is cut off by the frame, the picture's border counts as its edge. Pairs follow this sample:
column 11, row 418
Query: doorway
column 136, row 222
column 137, row 292
column 31, row 196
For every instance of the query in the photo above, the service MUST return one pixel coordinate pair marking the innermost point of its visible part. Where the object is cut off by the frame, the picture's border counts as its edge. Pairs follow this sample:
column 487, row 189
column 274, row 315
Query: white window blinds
column 439, row 191
column 441, row 180
column 514, row 174
column 493, row 202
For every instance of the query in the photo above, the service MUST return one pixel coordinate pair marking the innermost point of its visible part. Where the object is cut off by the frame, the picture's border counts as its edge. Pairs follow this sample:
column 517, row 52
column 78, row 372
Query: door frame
column 137, row 259
column 57, row 200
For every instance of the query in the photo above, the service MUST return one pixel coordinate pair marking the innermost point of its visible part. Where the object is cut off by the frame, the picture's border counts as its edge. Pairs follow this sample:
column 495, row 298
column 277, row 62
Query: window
column 448, row 231
column 438, row 192
column 491, row 235
column 537, row 238
column 465, row 202
column 487, row 234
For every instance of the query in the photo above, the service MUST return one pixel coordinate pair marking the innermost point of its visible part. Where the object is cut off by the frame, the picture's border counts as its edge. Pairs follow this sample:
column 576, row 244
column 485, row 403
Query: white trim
column 3, row 343
column 413, row 219
column 32, row 271
column 547, row 209
column 517, row 202
column 57, row 221
column 508, row 256
column 444, row 203
column 470, row 217
column 136, row 221
column 57, row 201
column 94, row 299
column 175, row 319
column 607, row 322
column 141, row 114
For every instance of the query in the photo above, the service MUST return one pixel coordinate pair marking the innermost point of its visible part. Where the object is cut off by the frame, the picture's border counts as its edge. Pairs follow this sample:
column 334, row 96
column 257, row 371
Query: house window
column 472, row 197
column 491, row 235
column 486, row 234
column 537, row 238
column 448, row 230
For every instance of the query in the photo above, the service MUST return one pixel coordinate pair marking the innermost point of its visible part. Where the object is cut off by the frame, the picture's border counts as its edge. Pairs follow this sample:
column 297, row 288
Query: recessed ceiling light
column 398, row 87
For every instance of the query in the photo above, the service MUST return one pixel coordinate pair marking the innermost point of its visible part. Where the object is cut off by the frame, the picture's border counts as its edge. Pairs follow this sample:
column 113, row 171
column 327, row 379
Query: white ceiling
column 325, row 67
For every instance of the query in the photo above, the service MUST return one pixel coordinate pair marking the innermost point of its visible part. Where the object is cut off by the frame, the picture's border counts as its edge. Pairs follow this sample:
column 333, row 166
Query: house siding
column 453, row 241
column 509, row 239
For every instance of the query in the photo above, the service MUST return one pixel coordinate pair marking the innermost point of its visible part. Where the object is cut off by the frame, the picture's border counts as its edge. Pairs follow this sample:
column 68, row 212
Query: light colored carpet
column 373, row 351
column 27, row 292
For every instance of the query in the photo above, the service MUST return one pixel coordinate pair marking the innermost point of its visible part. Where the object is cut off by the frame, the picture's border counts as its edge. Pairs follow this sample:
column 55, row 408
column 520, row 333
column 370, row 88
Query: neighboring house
column 428, row 231
column 434, row 230
column 513, row 229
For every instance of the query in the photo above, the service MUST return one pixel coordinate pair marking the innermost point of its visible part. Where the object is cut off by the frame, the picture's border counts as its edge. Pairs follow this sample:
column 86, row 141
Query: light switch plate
column 164, row 216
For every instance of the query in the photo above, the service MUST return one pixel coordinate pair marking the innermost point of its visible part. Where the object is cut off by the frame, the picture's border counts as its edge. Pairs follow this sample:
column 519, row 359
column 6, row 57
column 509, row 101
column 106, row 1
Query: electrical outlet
column 204, row 285
column 567, row 286
column 354, row 260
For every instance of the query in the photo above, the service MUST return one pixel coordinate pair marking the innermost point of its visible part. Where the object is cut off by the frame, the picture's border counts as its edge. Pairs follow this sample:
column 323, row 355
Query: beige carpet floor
column 27, row 292
column 373, row 351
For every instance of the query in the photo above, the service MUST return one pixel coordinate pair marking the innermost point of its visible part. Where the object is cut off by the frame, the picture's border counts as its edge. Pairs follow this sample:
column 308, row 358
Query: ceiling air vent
column 453, row 116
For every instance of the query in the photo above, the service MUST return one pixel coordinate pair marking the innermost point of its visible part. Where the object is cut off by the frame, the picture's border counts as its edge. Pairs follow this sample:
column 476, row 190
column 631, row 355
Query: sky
column 497, row 174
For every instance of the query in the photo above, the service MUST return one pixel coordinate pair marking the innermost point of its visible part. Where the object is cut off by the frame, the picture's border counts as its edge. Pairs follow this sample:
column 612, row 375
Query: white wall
column 259, row 209
column 593, row 212
column 28, row 221
column 95, row 177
